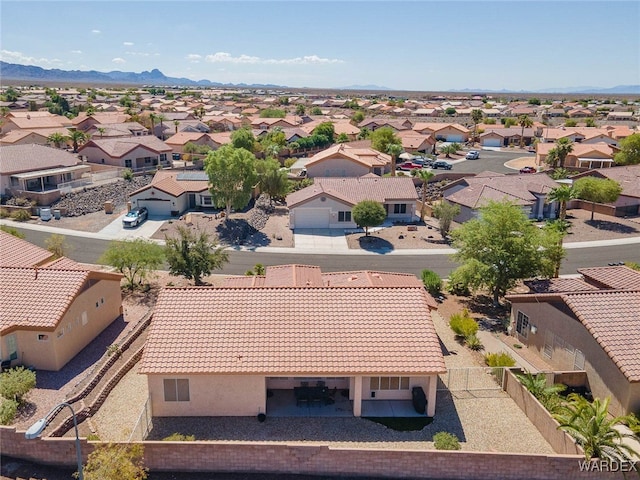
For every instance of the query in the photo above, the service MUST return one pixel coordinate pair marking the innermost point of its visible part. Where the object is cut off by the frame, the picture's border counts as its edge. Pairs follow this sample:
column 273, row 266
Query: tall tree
column 275, row 184
column 327, row 129
column 243, row 138
column 101, row 131
column 193, row 255
column 382, row 138
column 394, row 150
column 176, row 124
column 152, row 118
column 498, row 248
column 476, row 118
column 161, row 118
column 77, row 137
column 594, row 430
column 425, row 176
column 525, row 122
column 232, row 175
column 135, row 259
column 445, row 212
column 629, row 153
column 57, row 139
column 597, row 190
column 368, row 213
column 558, row 154
column 562, row 194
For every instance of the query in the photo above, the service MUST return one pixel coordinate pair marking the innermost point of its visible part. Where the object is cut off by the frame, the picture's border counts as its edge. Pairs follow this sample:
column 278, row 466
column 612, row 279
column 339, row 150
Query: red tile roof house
column 36, row 171
column 173, row 192
column 329, row 201
column 178, row 141
column 527, row 190
column 447, row 132
column 343, row 160
column 51, row 309
column 590, row 324
column 628, row 203
column 584, row 155
column 136, row 153
column 216, row 351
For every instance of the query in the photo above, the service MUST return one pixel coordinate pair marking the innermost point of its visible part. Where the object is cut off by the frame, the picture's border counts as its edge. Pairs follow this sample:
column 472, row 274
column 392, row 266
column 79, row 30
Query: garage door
column 312, row 218
column 491, row 142
column 156, row 207
column 454, row 138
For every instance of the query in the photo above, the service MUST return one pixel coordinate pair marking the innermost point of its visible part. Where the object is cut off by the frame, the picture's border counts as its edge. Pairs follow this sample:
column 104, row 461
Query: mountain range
column 13, row 71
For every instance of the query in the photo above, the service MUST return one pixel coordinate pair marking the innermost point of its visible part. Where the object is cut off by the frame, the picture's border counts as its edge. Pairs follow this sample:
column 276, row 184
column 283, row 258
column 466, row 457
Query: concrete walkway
column 493, row 344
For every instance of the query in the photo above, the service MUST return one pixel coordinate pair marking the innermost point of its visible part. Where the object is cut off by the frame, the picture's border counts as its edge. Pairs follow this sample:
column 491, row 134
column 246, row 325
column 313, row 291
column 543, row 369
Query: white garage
column 454, row 138
column 156, row 206
column 312, row 218
column 491, row 142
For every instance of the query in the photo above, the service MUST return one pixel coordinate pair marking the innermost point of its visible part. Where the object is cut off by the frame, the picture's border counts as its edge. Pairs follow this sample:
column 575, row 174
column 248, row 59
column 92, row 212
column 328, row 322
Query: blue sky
column 416, row 45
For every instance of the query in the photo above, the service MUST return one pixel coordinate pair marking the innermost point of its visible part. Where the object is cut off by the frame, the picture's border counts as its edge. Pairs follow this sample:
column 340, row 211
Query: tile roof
column 627, row 176
column 28, row 158
column 16, row 252
column 613, row 319
column 365, row 156
column 167, row 181
column 118, row 147
column 616, row 277
column 291, row 331
column 352, row 190
column 559, row 285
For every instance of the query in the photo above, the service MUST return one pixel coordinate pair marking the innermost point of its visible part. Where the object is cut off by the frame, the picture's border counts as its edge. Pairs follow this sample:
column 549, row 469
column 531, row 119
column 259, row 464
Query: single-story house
column 33, row 121
column 36, row 171
column 178, row 141
column 447, row 132
column 85, row 122
column 51, row 309
column 267, row 123
column 136, row 153
column 376, row 123
column 343, row 160
column 223, row 351
column 529, row 191
column 39, row 136
column 329, row 201
column 586, row 155
column 167, row 128
column 503, row 137
column 628, row 176
column 173, row 192
column 590, row 324
column 127, row 129
column 414, row 142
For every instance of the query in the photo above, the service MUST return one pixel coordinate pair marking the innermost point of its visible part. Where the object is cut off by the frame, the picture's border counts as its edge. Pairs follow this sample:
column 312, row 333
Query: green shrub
column 463, row 325
column 16, row 383
column 432, row 282
column 93, row 437
column 179, row 437
column 473, row 342
column 8, row 410
column 127, row 174
column 21, row 215
column 446, row 441
column 633, row 422
column 289, row 162
column 11, row 231
column 4, row 213
column 500, row 359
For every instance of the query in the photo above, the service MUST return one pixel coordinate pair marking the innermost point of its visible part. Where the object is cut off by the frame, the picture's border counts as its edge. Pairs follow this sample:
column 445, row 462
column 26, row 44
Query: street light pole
column 37, row 428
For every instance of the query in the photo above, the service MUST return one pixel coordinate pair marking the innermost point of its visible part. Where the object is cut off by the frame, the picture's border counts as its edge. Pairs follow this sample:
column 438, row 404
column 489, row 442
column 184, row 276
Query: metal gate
column 471, row 379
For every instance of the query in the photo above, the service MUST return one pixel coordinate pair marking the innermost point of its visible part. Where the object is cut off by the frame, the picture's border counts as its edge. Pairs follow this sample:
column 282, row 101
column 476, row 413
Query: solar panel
column 193, row 176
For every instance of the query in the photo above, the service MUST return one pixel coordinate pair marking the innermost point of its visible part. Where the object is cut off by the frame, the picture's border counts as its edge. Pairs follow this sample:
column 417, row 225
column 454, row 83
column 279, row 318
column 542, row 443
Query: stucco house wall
column 96, row 155
column 164, row 200
column 211, row 395
column 337, row 167
column 568, row 337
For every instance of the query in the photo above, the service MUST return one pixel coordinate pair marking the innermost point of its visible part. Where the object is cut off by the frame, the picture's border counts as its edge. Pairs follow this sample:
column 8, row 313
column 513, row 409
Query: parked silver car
column 135, row 217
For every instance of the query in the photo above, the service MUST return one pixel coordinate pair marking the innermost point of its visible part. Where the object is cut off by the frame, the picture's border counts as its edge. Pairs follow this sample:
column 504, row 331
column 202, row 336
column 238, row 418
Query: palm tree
column 425, row 176
column 592, row 428
column 563, row 148
column 476, row 117
column 394, row 149
column 525, row 122
column 57, row 139
column 561, row 194
column 152, row 119
column 161, row 118
column 449, row 149
column 101, row 131
column 537, row 386
column 77, row 137
column 176, row 123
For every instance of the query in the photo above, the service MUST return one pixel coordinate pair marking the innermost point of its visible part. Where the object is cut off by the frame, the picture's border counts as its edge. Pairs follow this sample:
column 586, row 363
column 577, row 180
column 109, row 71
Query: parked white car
column 472, row 155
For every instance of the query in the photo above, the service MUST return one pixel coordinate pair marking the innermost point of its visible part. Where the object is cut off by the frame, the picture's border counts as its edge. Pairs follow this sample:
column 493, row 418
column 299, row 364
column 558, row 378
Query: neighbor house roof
column 617, row 277
column 16, row 252
column 365, row 156
column 27, row 158
column 176, row 183
column 292, row 331
column 119, row 147
column 355, row 189
column 627, row 176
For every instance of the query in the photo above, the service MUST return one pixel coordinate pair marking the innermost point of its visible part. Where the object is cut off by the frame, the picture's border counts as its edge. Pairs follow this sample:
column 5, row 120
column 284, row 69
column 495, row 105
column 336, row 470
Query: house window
column 85, row 319
column 389, row 383
column 176, row 389
column 344, row 216
column 400, row 208
column 43, row 337
column 147, row 160
column 522, row 324
column 163, row 157
column 206, row 200
column 127, row 163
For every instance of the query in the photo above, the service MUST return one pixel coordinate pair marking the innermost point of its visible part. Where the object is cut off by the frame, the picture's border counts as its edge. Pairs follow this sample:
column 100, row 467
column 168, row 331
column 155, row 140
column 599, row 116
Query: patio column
column 431, row 395
column 41, row 184
column 357, row 397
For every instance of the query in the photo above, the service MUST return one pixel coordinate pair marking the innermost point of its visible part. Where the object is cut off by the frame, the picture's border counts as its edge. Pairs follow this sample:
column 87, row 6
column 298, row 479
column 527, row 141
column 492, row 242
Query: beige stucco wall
column 605, row 379
column 337, row 167
column 211, row 395
column 95, row 155
column 32, row 138
column 180, row 203
column 333, row 205
column 70, row 336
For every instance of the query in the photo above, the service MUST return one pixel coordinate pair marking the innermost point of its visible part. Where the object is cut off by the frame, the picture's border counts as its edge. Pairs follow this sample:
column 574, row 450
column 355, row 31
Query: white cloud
column 96, row 31
column 224, row 57
column 119, row 60
column 140, row 54
column 21, row 58
column 194, row 57
column 78, row 52
column 128, row 44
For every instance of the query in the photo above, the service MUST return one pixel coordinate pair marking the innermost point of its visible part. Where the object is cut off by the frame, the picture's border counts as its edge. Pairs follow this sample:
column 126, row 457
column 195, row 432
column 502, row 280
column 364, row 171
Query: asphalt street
column 89, row 250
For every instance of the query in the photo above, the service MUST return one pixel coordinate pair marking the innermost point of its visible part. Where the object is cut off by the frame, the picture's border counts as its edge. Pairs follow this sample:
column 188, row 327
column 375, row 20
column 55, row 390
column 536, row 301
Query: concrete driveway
column 320, row 240
column 116, row 231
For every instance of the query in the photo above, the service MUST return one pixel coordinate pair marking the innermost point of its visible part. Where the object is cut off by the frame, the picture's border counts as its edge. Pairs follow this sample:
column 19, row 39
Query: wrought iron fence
column 143, row 424
column 471, row 379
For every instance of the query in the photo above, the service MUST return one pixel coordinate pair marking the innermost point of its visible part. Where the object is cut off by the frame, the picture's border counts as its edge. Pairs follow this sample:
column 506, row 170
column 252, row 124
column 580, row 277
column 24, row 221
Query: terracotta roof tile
column 613, row 319
column 559, row 285
column 278, row 331
column 26, row 158
column 119, row 147
column 615, row 277
column 15, row 252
